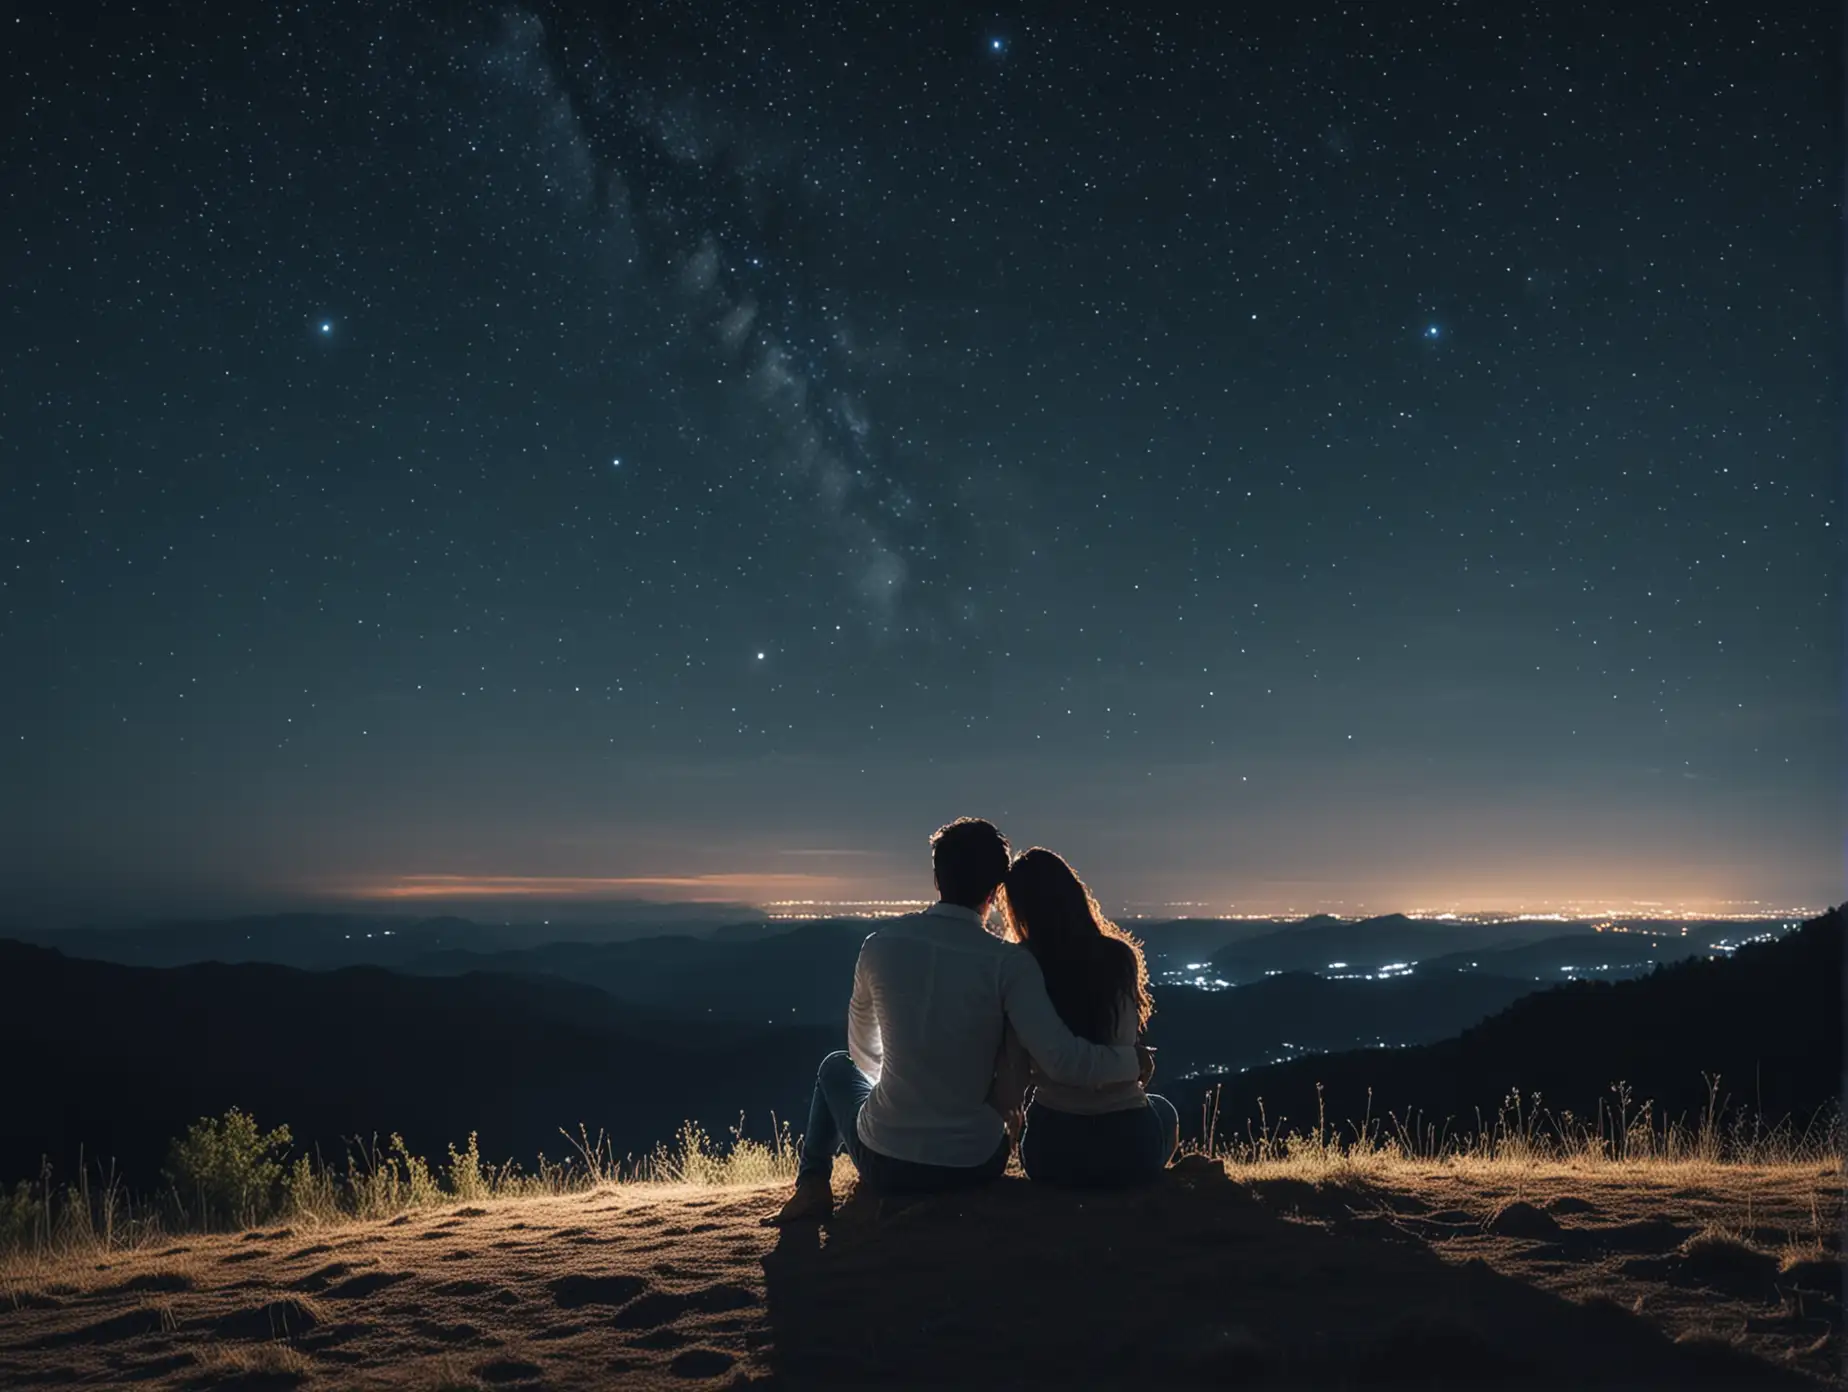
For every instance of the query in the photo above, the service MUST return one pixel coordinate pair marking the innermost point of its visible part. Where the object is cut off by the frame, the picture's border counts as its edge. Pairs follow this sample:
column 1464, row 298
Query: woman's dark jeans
column 1105, row 1151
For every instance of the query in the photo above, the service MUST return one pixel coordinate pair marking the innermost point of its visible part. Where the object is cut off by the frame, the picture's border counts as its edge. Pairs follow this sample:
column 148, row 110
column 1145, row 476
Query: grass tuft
column 253, row 1366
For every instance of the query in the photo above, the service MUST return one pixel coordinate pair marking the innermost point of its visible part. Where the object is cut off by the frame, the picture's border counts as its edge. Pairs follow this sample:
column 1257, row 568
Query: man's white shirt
column 932, row 993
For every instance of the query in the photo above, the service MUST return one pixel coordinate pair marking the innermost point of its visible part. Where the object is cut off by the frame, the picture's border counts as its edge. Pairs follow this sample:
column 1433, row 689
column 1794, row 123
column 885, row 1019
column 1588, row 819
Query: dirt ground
column 1417, row 1279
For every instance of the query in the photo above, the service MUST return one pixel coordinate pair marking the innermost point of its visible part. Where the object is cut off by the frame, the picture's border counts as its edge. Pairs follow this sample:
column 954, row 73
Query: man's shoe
column 813, row 1202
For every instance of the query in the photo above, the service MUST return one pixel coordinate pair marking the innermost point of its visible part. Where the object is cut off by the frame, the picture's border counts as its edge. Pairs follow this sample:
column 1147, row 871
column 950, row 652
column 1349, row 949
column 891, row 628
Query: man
column 932, row 994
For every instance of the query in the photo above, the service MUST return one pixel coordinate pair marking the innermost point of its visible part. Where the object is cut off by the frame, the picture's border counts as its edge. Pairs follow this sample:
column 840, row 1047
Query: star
column 1431, row 331
column 327, row 327
column 998, row 46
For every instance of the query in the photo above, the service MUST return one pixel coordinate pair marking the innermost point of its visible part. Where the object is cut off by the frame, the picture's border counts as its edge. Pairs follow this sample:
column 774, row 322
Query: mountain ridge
column 1767, row 1020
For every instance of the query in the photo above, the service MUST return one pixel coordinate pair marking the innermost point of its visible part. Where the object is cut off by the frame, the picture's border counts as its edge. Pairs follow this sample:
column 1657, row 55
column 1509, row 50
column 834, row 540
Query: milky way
column 712, row 210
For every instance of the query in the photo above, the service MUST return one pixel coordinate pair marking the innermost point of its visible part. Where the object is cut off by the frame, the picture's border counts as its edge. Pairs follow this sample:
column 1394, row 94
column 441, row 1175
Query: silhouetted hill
column 1597, row 956
column 798, row 972
column 1367, row 944
column 321, row 941
column 1173, row 942
column 309, row 940
column 753, row 932
column 1297, row 1013
column 117, row 1059
column 1768, row 1020
column 801, row 976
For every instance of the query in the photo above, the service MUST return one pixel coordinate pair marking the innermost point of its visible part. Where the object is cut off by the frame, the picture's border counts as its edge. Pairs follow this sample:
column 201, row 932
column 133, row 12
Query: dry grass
column 272, row 1364
column 1526, row 1139
column 693, row 1157
column 1284, row 1277
column 45, row 1226
column 49, row 1227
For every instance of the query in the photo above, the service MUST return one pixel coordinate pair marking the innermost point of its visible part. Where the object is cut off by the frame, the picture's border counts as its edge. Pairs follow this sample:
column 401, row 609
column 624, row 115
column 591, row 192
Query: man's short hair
column 969, row 858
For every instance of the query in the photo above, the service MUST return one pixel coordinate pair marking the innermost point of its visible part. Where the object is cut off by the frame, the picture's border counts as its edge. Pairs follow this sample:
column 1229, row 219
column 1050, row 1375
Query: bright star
column 1431, row 331
column 327, row 326
column 760, row 657
column 997, row 45
column 615, row 463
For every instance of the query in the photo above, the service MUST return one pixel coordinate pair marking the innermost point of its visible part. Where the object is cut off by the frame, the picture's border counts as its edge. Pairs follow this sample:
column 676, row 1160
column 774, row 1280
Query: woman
column 1113, row 1135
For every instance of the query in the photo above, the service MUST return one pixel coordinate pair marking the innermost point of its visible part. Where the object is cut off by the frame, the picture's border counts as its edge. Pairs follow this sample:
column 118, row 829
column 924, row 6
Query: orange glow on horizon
column 788, row 895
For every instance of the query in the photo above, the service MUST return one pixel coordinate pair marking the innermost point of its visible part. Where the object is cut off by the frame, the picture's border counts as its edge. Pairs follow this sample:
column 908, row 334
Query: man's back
column 932, row 993
column 926, row 1021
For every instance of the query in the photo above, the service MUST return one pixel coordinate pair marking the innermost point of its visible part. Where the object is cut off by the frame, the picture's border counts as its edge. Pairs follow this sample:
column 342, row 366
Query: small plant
column 1717, row 1237
column 25, row 1216
column 464, row 1173
column 226, row 1171
column 311, row 1192
column 420, row 1186
column 384, row 1183
column 272, row 1364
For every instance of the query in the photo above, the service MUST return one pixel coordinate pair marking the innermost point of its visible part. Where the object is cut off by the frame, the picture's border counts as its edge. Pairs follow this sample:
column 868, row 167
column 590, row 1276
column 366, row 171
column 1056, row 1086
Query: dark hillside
column 1597, row 956
column 117, row 1059
column 315, row 941
column 1367, row 944
column 1768, row 1020
column 802, row 976
column 1301, row 1013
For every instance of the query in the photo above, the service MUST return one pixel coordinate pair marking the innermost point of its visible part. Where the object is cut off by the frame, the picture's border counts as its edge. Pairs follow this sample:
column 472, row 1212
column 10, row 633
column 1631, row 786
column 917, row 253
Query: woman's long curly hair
column 1093, row 969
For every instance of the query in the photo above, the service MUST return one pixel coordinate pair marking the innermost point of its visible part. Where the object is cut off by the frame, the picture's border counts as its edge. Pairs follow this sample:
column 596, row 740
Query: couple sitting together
column 950, row 1025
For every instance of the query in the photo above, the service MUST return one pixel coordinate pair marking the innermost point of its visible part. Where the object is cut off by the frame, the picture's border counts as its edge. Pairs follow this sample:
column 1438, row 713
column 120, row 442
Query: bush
column 25, row 1217
column 310, row 1192
column 226, row 1172
column 467, row 1181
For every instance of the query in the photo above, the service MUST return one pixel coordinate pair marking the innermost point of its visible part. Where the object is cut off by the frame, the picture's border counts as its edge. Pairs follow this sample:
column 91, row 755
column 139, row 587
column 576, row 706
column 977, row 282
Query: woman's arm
column 1060, row 1055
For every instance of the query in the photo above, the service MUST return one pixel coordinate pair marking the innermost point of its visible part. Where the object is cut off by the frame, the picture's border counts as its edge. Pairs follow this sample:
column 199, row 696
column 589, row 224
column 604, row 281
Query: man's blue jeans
column 841, row 1089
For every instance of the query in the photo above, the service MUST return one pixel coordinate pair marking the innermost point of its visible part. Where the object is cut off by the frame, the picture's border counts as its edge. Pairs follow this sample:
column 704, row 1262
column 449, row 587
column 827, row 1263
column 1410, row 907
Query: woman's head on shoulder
column 1053, row 913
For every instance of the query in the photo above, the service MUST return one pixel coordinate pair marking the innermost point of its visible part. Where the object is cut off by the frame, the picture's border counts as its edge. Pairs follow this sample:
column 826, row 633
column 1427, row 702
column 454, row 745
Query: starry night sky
column 1333, row 455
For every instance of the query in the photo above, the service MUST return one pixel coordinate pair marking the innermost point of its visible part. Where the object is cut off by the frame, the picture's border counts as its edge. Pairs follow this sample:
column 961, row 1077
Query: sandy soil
column 1424, row 1280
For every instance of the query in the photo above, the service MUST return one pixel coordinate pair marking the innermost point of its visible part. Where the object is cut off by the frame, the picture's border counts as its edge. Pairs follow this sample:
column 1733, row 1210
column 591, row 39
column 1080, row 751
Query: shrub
column 466, row 1180
column 420, row 1185
column 227, row 1171
column 25, row 1217
column 310, row 1191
